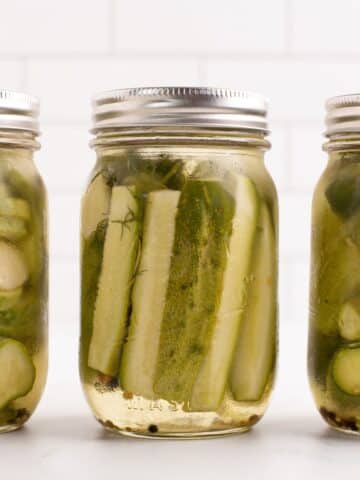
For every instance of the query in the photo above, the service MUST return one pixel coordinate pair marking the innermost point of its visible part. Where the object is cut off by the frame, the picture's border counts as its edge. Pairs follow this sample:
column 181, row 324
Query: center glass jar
column 179, row 263
column 334, row 334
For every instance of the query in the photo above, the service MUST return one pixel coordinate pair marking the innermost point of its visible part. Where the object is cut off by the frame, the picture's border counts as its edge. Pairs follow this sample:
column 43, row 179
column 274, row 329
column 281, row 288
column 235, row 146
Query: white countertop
column 292, row 442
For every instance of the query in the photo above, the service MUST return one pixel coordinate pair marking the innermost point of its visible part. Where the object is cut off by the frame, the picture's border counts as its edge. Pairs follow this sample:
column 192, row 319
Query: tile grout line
column 288, row 25
column 201, row 66
column 289, row 158
column 112, row 5
column 284, row 56
column 24, row 74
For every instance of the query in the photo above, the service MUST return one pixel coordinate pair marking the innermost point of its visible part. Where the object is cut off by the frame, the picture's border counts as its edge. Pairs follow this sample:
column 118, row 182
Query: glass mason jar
column 334, row 334
column 23, row 263
column 179, row 263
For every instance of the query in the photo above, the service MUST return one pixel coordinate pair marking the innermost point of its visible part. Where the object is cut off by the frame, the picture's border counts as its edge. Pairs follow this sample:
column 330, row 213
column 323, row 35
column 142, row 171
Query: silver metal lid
column 342, row 114
column 180, row 106
column 19, row 111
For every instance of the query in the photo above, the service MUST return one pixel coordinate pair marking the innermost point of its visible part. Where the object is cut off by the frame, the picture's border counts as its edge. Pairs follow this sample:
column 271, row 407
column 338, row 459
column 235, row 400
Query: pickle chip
column 349, row 320
column 346, row 370
column 13, row 228
column 17, row 371
column 13, row 271
column 343, row 193
column 15, row 207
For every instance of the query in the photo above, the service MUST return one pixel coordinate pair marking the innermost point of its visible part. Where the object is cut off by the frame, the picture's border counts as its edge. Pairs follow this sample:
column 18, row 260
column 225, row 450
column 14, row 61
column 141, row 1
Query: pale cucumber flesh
column 14, row 207
column 255, row 352
column 140, row 351
column 13, row 271
column 17, row 371
column 346, row 370
column 210, row 385
column 116, row 278
column 13, row 228
column 9, row 298
column 349, row 320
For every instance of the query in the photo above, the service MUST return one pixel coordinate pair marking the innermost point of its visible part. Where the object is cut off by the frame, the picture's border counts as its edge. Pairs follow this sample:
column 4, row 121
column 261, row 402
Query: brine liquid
column 202, row 362
column 23, row 310
column 139, row 416
column 335, row 291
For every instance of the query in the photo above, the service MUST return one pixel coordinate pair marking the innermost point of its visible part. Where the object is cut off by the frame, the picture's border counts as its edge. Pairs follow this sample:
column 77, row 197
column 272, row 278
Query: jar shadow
column 76, row 428
column 331, row 435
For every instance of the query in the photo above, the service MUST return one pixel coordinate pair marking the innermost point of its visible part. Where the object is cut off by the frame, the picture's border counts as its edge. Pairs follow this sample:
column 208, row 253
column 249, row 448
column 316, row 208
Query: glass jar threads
column 179, row 263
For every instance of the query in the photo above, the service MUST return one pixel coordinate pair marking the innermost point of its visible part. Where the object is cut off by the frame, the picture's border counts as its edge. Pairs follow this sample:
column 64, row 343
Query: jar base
column 342, row 423
column 179, row 435
column 345, row 431
column 9, row 428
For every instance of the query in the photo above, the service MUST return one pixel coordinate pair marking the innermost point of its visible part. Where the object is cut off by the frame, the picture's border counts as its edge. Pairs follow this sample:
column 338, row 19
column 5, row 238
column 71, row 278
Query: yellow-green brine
column 179, row 263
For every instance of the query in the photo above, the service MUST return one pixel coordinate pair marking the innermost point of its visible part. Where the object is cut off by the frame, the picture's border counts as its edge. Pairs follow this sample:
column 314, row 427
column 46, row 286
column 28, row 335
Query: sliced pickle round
column 346, row 369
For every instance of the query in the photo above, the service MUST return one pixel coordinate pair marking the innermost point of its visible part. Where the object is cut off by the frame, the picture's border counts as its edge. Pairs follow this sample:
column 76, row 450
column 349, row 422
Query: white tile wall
column 66, row 85
column 187, row 26
column 276, row 157
column 297, row 52
column 64, row 223
column 308, row 157
column 65, row 169
column 40, row 26
column 294, row 224
column 330, row 26
column 12, row 74
column 296, row 87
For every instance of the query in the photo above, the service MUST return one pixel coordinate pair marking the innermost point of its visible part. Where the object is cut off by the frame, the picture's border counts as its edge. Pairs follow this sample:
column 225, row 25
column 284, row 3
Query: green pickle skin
column 202, row 225
column 23, row 310
column 92, row 254
column 335, row 283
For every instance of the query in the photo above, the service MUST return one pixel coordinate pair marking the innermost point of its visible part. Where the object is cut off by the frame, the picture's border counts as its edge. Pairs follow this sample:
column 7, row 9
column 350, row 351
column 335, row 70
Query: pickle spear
column 91, row 261
column 139, row 357
column 203, row 227
column 211, row 382
column 255, row 352
column 118, row 265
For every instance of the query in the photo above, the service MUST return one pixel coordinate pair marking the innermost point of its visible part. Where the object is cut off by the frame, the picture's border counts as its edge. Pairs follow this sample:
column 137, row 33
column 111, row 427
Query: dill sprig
column 129, row 218
column 145, row 172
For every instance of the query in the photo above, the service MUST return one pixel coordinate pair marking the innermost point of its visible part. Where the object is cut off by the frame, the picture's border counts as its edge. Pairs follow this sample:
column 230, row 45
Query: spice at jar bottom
column 179, row 264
